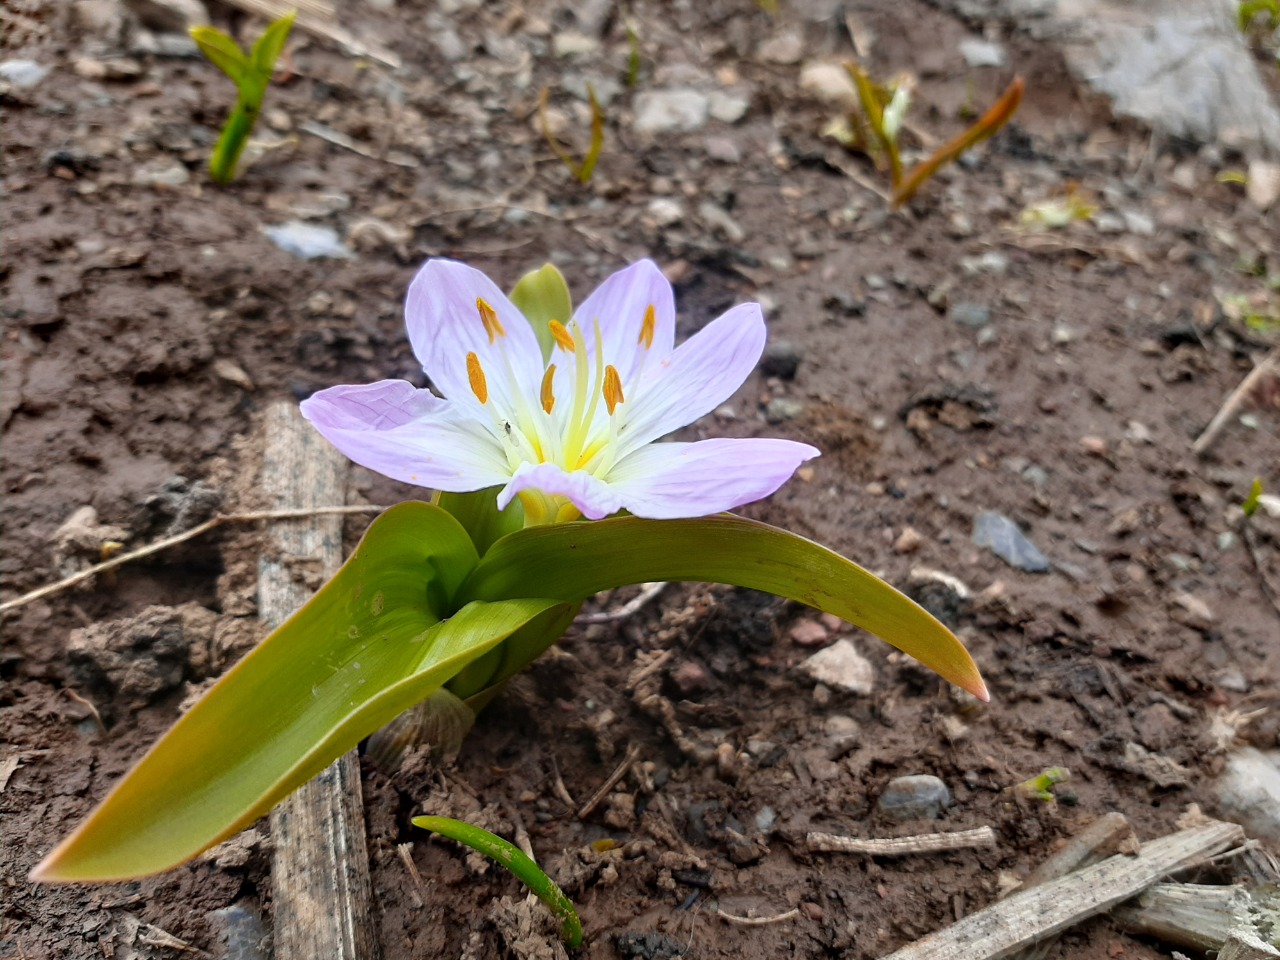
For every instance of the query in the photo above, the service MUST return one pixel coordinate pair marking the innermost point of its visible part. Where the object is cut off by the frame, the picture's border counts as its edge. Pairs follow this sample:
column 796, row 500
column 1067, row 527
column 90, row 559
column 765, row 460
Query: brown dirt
column 1105, row 355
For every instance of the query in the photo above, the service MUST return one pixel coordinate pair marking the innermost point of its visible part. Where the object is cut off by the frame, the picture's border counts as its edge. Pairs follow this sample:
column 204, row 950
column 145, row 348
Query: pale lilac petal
column 444, row 326
column 593, row 497
column 669, row 480
column 409, row 435
column 619, row 305
column 703, row 373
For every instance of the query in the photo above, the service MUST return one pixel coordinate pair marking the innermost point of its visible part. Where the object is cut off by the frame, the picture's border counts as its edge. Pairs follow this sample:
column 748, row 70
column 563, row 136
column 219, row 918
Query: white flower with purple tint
column 573, row 434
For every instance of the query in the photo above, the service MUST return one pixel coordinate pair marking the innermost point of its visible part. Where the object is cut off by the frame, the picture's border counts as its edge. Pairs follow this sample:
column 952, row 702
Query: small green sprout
column 1041, row 785
column 1250, row 505
column 1249, row 9
column 633, row 56
column 874, row 130
column 251, row 74
column 1058, row 212
column 511, row 858
column 587, row 167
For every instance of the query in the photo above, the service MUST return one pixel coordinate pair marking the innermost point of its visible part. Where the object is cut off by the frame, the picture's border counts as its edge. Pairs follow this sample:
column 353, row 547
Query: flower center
column 574, row 434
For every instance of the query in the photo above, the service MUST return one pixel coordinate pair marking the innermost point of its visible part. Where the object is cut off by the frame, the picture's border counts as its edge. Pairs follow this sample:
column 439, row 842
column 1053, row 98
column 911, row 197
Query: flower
column 572, row 435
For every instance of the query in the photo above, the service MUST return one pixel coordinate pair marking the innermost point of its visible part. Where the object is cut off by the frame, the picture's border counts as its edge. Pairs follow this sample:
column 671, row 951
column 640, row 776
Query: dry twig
column 901, row 846
column 1232, row 403
column 620, row 771
column 647, row 592
column 196, row 531
column 759, row 921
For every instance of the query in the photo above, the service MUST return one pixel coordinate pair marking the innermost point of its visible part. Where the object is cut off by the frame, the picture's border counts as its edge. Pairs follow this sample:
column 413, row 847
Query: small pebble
column 691, row 677
column 811, row 910
column 1002, row 536
column 808, row 633
column 841, row 666
column 307, row 241
column 972, row 315
column 765, row 819
column 781, row 409
column 920, row 796
column 23, row 74
column 909, row 541
column 1094, row 446
column 982, row 53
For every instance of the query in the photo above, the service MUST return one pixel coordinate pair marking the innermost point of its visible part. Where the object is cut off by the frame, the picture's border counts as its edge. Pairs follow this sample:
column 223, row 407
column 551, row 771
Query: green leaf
column 223, row 52
column 572, row 561
column 267, row 50
column 542, row 296
column 369, row 645
column 1250, row 505
column 479, row 515
column 511, row 858
column 515, row 653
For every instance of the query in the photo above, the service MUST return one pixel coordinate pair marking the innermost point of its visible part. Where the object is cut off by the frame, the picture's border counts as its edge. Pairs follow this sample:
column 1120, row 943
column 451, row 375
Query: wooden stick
column 320, row 869
column 1232, row 403
column 620, row 771
column 1030, row 915
column 901, row 846
column 1244, row 945
column 1103, row 838
column 1195, row 915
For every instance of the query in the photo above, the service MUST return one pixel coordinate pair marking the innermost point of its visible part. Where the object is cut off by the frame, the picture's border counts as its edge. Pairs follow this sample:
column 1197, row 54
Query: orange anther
column 646, row 330
column 563, row 338
column 475, row 373
column 489, row 317
column 548, row 398
column 612, row 388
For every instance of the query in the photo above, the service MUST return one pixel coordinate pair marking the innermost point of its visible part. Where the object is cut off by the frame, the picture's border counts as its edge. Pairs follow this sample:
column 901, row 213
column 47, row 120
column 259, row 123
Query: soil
column 951, row 361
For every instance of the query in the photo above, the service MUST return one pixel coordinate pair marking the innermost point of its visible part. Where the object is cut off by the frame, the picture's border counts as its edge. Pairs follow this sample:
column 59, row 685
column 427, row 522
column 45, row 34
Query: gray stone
column 781, row 409
column 671, row 111
column 972, row 315
column 308, row 241
column 1002, row 536
column 830, row 83
column 1249, row 791
column 665, row 211
column 719, row 220
column 785, row 49
column 841, row 666
column 161, row 173
column 982, row 53
column 728, row 107
column 917, row 797
column 765, row 819
column 23, row 74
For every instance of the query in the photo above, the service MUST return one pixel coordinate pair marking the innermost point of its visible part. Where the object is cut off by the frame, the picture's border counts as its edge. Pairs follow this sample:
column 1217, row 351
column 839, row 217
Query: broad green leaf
column 511, row 858
column 267, row 50
column 542, row 296
column 479, row 515
column 223, row 52
column 370, row 644
column 572, row 561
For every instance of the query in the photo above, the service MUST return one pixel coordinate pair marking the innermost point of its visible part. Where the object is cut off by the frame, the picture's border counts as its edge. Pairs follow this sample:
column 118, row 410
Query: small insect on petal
column 612, row 388
column 548, row 398
column 475, row 373
column 489, row 317
column 562, row 336
column 646, row 330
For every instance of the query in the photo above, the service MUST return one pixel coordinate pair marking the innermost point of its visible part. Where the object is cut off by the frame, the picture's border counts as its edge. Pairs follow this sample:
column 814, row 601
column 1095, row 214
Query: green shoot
column 873, row 129
column 1058, row 212
column 1249, row 9
column 510, row 857
column 587, row 167
column 1250, row 505
column 1041, row 786
column 251, row 74
column 633, row 57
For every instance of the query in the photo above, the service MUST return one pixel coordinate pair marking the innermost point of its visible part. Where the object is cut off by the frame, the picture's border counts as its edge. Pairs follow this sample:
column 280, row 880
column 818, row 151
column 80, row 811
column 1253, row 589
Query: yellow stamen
column 612, row 388
column 646, row 331
column 489, row 317
column 548, row 398
column 562, row 336
column 479, row 386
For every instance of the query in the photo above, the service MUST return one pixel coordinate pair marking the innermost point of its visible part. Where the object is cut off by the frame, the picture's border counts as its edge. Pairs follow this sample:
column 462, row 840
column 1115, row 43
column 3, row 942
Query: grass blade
column 512, row 859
